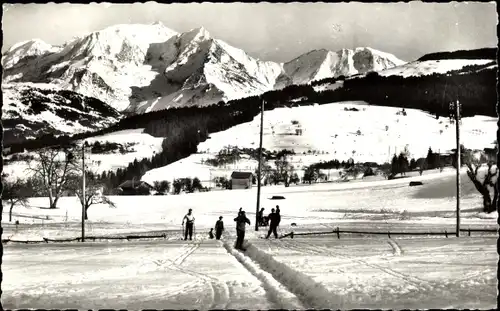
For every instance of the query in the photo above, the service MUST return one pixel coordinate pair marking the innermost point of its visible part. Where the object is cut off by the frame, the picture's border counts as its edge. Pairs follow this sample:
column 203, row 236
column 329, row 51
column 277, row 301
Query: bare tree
column 483, row 184
column 14, row 192
column 52, row 170
column 283, row 170
column 93, row 191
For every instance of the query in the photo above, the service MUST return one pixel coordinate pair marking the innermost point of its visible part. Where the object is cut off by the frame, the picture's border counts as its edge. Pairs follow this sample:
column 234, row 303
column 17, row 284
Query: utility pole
column 260, row 167
column 83, row 193
column 455, row 114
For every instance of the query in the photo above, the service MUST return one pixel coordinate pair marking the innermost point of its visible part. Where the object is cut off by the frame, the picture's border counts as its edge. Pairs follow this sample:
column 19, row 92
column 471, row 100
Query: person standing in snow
column 273, row 224
column 261, row 217
column 241, row 220
column 189, row 218
column 219, row 227
column 278, row 212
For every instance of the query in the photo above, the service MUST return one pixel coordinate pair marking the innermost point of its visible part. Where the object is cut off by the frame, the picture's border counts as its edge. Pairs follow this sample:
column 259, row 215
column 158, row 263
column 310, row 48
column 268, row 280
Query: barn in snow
column 241, row 180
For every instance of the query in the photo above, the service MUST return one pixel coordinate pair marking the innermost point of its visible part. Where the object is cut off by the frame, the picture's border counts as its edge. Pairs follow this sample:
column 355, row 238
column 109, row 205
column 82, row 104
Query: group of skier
column 273, row 219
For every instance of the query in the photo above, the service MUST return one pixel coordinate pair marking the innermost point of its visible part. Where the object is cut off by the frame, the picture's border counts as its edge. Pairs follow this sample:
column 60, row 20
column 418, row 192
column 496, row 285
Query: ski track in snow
column 220, row 294
column 276, row 292
column 428, row 286
column 396, row 248
column 309, row 293
column 323, row 250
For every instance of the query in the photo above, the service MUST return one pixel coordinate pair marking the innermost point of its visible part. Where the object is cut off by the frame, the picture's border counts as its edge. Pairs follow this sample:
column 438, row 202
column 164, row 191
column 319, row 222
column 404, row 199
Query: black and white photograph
column 249, row 156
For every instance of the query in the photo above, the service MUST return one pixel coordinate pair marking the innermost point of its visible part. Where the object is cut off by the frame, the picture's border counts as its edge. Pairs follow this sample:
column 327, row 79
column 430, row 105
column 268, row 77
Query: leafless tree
column 52, row 169
column 483, row 184
column 93, row 191
column 283, row 170
column 14, row 192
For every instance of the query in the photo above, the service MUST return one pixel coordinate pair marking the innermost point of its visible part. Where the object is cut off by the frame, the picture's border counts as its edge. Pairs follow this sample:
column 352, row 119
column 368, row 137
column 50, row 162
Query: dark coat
column 273, row 219
column 219, row 225
column 240, row 222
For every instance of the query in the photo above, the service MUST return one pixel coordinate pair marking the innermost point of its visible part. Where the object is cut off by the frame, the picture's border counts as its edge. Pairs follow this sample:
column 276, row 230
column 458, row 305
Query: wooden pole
column 260, row 167
column 83, row 193
column 457, row 126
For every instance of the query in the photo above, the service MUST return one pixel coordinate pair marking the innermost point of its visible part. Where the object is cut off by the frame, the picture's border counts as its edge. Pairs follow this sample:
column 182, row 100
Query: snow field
column 393, row 274
column 194, row 275
column 387, row 203
column 300, row 273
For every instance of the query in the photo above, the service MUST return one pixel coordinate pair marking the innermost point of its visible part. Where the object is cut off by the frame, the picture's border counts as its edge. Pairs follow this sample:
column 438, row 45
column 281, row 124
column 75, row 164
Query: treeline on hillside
column 485, row 53
column 433, row 93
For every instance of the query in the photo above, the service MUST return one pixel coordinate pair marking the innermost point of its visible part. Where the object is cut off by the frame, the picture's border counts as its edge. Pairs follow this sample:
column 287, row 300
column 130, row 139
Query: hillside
column 33, row 110
column 339, row 131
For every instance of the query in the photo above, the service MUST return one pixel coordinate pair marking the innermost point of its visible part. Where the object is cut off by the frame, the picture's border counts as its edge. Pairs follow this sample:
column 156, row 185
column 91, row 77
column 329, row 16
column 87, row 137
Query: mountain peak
column 197, row 34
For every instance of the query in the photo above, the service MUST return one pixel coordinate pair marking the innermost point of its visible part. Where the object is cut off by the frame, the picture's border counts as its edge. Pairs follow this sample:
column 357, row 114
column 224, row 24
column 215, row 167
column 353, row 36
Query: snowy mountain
column 32, row 110
column 320, row 64
column 104, row 64
column 196, row 69
column 139, row 68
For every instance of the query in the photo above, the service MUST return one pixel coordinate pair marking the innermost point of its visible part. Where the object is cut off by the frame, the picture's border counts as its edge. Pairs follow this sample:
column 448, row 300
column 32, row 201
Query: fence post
column 469, row 231
column 338, row 233
column 291, row 234
column 446, row 233
column 389, row 234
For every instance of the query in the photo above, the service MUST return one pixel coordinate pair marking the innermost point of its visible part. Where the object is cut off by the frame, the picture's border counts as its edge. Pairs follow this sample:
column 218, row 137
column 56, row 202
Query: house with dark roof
column 135, row 187
column 241, row 180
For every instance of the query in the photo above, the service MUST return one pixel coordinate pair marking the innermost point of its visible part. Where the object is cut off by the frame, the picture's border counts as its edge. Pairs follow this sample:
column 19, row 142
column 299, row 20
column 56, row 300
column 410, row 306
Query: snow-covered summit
column 144, row 67
column 322, row 63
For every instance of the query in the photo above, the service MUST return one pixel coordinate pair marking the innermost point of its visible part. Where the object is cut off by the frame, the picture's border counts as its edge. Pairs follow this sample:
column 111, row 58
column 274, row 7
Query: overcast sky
column 276, row 32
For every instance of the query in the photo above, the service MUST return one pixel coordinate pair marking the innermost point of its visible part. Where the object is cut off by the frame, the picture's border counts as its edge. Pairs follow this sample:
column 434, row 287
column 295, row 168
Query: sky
column 275, row 31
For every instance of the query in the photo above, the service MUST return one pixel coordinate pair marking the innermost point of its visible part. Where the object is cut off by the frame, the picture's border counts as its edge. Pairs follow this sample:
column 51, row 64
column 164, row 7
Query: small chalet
column 241, row 180
column 135, row 187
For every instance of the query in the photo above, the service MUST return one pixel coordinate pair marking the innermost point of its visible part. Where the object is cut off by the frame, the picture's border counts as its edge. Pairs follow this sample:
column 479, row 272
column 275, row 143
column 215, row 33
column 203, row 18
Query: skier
column 211, row 233
column 219, row 227
column 189, row 224
column 273, row 224
column 240, row 229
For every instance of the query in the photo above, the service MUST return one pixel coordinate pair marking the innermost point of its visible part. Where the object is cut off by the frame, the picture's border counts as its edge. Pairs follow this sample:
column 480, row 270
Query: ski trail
column 276, row 293
column 396, row 248
column 409, row 279
column 220, row 294
column 311, row 294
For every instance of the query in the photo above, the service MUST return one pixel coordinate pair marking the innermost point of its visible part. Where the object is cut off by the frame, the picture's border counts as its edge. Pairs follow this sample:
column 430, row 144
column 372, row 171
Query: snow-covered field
column 372, row 134
column 304, row 272
column 374, row 202
column 276, row 274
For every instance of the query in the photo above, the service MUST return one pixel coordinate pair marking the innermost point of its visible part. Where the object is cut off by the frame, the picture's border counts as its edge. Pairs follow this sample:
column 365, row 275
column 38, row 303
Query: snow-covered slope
column 371, row 134
column 429, row 67
column 31, row 110
column 320, row 64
